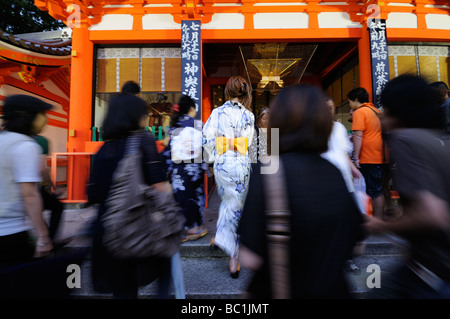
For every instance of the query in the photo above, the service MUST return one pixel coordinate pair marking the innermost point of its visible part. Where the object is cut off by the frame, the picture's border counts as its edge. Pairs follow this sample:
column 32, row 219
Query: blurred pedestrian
column 20, row 168
column 368, row 146
column 185, row 166
column 126, row 115
column 131, row 87
column 339, row 147
column 49, row 193
column 227, row 135
column 325, row 221
column 421, row 174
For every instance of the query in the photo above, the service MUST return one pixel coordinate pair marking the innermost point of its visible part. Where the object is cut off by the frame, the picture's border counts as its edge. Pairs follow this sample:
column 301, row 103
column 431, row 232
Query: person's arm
column 46, row 178
column 355, row 171
column 33, row 207
column 357, row 142
column 154, row 171
column 164, row 187
column 26, row 166
column 45, row 173
column 94, row 184
column 419, row 184
column 249, row 131
column 209, row 133
column 249, row 259
column 252, row 224
column 425, row 212
column 166, row 141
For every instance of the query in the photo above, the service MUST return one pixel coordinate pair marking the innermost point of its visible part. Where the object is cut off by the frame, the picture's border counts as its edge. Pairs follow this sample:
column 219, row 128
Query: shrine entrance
column 270, row 67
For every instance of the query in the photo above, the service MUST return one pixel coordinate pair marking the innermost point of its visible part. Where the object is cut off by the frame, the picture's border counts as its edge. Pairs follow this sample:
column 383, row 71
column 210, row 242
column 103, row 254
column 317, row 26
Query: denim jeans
column 177, row 276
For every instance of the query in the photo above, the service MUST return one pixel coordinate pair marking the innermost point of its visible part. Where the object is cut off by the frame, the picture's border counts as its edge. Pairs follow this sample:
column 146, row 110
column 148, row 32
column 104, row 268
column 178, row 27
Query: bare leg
column 233, row 264
column 234, row 267
column 378, row 206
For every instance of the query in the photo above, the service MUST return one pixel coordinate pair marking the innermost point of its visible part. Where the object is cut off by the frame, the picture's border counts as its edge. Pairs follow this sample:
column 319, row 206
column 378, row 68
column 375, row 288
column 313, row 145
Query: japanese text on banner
column 191, row 60
column 380, row 58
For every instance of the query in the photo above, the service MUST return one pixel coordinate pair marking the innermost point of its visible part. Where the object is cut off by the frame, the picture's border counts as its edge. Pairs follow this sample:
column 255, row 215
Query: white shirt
column 20, row 163
column 338, row 148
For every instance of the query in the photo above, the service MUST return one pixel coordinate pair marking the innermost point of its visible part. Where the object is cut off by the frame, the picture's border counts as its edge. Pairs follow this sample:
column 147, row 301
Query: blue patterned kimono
column 231, row 169
column 187, row 176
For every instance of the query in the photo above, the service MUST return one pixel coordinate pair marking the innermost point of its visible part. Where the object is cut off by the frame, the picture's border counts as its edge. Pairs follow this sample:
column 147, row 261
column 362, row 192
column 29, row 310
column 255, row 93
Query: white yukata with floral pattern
column 231, row 169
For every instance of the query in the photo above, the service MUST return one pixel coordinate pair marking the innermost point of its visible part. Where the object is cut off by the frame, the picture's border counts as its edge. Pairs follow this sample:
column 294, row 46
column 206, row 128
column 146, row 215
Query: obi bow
column 239, row 144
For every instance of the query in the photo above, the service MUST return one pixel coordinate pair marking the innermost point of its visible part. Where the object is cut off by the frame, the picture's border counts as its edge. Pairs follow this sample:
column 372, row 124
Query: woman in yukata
column 226, row 137
column 185, row 167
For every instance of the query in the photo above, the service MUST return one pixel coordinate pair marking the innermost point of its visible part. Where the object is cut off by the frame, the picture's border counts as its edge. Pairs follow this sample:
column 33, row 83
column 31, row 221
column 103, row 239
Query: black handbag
column 139, row 221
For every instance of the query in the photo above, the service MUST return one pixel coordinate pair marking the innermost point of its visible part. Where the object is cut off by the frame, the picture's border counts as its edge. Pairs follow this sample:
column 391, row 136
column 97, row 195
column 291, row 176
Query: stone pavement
column 205, row 270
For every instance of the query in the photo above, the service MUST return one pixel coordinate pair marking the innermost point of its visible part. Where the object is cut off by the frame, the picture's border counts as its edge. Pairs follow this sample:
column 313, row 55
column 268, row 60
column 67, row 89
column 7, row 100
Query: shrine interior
column 271, row 66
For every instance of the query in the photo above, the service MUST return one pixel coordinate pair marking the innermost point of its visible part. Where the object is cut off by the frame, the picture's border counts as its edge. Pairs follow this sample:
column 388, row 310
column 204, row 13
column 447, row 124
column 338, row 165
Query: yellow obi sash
column 239, row 144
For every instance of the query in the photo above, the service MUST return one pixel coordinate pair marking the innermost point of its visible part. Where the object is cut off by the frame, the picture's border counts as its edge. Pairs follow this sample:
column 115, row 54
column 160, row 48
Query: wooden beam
column 56, row 123
column 336, row 63
column 36, row 89
column 64, row 116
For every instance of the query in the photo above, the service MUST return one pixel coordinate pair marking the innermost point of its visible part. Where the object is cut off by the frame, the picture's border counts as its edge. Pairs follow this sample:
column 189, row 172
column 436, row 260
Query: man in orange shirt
column 368, row 146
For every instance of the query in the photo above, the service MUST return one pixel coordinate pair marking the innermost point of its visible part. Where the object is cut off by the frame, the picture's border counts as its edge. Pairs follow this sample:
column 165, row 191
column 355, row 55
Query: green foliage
column 22, row 16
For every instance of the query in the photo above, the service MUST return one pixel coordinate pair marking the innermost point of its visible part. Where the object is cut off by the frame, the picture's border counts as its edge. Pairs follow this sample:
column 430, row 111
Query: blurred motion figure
column 325, row 221
column 126, row 115
column 420, row 170
column 20, row 171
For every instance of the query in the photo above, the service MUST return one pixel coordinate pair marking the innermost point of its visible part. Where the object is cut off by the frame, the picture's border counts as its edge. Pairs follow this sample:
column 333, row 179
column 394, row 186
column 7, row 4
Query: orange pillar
column 80, row 112
column 365, row 67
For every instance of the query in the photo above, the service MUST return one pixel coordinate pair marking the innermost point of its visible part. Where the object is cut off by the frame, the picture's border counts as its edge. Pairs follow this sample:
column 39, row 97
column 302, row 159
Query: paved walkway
column 215, row 281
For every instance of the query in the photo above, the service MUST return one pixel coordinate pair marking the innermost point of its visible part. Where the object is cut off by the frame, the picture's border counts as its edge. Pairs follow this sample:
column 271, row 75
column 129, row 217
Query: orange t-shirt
column 365, row 120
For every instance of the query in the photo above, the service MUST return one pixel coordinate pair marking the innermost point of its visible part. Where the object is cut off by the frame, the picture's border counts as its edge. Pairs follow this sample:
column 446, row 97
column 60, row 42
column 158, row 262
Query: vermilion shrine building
column 271, row 43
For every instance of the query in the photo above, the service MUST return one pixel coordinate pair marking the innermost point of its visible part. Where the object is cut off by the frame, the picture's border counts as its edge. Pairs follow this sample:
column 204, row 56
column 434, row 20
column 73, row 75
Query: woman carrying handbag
column 127, row 115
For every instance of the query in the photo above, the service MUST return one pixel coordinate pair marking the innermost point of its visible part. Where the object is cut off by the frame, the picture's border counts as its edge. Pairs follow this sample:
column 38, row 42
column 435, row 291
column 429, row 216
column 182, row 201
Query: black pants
column 24, row 277
column 123, row 277
column 56, row 208
column 129, row 274
column 15, row 249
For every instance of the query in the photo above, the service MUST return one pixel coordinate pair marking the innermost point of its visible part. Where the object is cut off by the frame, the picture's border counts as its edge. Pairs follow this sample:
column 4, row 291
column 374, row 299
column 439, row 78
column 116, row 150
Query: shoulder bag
column 278, row 219
column 139, row 221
